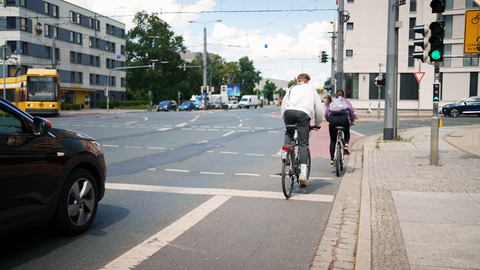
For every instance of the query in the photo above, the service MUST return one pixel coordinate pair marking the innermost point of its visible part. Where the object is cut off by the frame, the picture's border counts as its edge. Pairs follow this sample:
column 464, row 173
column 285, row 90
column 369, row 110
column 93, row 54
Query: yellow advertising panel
column 472, row 32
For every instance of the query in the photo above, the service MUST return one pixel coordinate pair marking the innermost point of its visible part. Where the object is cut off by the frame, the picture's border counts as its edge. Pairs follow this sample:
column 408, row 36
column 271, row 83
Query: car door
column 28, row 169
column 470, row 105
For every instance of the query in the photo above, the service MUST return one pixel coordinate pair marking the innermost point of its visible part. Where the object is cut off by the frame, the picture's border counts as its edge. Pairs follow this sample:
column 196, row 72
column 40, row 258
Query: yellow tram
column 37, row 92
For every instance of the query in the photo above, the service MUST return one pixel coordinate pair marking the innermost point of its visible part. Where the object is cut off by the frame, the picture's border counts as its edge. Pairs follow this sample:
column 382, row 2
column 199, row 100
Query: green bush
column 103, row 104
column 76, row 107
column 65, row 106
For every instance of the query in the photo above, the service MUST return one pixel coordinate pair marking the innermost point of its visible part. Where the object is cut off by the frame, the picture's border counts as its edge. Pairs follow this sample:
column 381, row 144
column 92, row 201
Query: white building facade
column 84, row 46
column 365, row 41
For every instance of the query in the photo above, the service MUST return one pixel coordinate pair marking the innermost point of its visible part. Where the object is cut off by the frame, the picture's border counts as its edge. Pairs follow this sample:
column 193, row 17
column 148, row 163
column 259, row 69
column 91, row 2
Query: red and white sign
column 419, row 76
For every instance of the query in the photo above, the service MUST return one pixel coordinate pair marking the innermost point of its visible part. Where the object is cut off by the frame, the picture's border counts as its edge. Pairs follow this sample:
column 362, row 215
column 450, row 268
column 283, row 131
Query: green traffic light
column 436, row 98
column 436, row 55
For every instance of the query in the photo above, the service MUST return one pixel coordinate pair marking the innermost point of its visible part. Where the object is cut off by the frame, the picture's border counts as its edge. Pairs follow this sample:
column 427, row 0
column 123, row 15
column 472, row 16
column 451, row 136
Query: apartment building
column 88, row 49
column 365, row 41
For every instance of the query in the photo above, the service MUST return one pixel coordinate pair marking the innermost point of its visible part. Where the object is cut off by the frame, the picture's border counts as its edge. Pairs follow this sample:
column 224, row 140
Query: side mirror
column 41, row 126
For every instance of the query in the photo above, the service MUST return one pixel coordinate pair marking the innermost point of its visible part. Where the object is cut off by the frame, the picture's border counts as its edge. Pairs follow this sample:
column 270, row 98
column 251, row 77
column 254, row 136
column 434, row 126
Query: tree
column 269, row 89
column 151, row 41
column 292, row 82
column 249, row 76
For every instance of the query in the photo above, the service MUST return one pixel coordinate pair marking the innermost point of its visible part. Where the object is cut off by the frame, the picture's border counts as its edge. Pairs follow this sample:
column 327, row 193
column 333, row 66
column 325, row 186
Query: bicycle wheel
column 338, row 158
column 287, row 175
column 309, row 162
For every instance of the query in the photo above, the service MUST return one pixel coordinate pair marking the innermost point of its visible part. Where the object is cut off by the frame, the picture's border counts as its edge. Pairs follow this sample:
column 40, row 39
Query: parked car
column 248, row 101
column 233, row 104
column 48, row 175
column 187, row 106
column 167, row 105
column 470, row 105
column 217, row 105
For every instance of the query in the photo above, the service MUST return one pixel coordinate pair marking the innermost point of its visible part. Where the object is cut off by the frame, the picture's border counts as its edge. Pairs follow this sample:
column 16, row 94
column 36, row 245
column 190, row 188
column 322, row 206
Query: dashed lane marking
column 247, row 174
column 257, row 155
column 109, row 145
column 231, row 153
column 176, row 170
column 215, row 173
column 156, row 148
column 226, row 134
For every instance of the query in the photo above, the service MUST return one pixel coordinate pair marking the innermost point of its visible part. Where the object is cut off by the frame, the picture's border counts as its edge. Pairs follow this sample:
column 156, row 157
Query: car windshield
column 164, row 103
column 185, row 103
column 461, row 100
column 244, row 99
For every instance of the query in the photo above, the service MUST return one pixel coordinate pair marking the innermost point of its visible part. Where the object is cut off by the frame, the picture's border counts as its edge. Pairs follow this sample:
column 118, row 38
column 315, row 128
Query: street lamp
column 205, row 54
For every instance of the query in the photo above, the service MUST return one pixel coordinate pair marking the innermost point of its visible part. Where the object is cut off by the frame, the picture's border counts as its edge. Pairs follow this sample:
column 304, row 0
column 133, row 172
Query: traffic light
column 324, row 57
column 328, row 88
column 437, row 6
column 380, row 81
column 436, row 92
column 422, row 42
column 436, row 41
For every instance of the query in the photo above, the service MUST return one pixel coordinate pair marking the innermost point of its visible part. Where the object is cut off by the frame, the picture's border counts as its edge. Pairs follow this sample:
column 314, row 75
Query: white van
column 247, row 101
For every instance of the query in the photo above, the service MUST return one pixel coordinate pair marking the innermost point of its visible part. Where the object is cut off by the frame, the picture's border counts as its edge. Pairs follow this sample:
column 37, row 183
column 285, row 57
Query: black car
column 48, row 175
column 470, row 105
column 167, row 105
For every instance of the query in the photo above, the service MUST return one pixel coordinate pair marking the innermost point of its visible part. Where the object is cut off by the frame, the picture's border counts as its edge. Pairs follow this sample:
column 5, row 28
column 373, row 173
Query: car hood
column 65, row 133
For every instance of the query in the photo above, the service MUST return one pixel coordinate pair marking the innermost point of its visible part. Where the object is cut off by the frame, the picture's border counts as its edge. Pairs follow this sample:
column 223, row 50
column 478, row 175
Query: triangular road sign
column 419, row 76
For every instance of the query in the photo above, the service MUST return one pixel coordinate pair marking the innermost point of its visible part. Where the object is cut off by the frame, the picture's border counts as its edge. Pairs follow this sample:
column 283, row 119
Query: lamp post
column 205, row 55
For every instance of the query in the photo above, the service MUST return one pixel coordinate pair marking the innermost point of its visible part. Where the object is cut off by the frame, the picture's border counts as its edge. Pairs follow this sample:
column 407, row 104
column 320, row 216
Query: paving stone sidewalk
column 364, row 230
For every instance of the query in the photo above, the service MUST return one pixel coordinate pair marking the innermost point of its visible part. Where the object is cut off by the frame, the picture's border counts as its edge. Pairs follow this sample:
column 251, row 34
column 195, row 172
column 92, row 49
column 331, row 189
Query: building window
column 349, row 1
column 90, row 22
column 413, row 5
column 447, row 50
column 79, row 18
column 55, row 11
column 97, row 27
column 112, row 47
column 448, row 4
column 46, row 29
column 80, row 77
column 470, row 4
column 12, row 45
column 25, row 47
column 408, row 87
column 79, row 38
column 351, row 85
column 108, row 63
column 448, row 26
column 72, row 56
column 350, row 26
column 71, row 36
column 123, row 33
column 46, row 8
column 24, row 24
column 411, row 32
column 349, row 53
column 57, row 54
column 97, row 79
column 47, row 52
column 79, row 58
column 97, row 61
column 470, row 62
column 72, row 76
column 411, row 60
column 91, row 78
column 11, row 23
column 72, row 16
column 55, row 31
column 91, row 41
column 91, row 60
column 112, row 81
column 122, row 49
column 123, row 82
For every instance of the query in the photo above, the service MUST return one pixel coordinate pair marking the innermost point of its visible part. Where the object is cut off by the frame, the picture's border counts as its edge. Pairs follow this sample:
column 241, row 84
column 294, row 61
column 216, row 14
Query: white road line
column 226, row 134
column 133, row 147
column 247, row 174
column 151, row 169
column 205, row 126
column 89, row 125
column 174, row 170
column 117, row 126
column 240, row 125
column 187, row 128
column 210, row 151
column 276, row 176
column 217, row 127
column 163, row 129
column 202, row 142
column 357, row 133
column 167, row 125
column 109, row 145
column 231, row 127
column 320, row 178
column 216, row 173
column 131, row 122
column 157, row 148
column 212, row 129
column 243, row 130
column 221, row 192
column 259, row 128
column 143, row 251
column 181, row 125
column 258, row 155
column 145, row 118
column 231, row 153
column 200, row 129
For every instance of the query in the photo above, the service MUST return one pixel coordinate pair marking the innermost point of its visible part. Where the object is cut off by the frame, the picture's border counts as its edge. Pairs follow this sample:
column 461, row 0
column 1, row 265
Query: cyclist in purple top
column 344, row 119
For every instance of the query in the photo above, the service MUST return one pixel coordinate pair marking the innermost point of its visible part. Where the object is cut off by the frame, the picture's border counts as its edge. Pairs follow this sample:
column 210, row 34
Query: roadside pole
column 435, row 119
column 152, row 66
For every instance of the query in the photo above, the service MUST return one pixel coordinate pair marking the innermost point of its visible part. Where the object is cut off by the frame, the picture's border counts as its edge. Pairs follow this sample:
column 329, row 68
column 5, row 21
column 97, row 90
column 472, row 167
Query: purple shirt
column 350, row 112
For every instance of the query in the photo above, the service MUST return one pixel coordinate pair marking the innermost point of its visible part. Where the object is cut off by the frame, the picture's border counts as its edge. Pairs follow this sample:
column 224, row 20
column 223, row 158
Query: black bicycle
column 290, row 162
column 339, row 150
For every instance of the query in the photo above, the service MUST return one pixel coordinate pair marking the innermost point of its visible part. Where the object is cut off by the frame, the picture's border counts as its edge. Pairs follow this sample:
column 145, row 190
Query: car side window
column 10, row 124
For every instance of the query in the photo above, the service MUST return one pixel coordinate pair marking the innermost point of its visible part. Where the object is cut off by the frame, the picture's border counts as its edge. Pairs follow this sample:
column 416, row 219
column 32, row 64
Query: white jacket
column 304, row 97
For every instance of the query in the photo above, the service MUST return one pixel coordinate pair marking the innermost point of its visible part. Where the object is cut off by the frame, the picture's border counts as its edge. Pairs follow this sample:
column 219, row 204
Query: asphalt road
column 188, row 190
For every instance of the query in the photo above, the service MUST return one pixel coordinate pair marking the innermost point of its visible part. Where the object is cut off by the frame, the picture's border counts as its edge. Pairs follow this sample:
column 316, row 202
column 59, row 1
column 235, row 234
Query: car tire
column 77, row 204
column 455, row 112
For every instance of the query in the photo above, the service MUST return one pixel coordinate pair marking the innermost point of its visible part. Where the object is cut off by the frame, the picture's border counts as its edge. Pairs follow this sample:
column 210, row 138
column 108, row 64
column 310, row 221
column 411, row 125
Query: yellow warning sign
column 472, row 32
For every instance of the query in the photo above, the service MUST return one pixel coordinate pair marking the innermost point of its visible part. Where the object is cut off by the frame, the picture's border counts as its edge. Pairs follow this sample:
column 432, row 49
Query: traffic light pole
column 435, row 120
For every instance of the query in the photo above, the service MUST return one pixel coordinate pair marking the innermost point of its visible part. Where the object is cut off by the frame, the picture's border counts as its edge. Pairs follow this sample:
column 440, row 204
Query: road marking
column 357, row 133
column 133, row 147
column 210, row 129
column 147, row 248
column 240, row 125
column 276, row 176
column 216, row 173
column 226, row 134
column 181, row 125
column 258, row 155
column 247, row 174
column 259, row 127
column 200, row 129
column 221, row 192
column 217, row 127
column 210, row 151
column 151, row 169
column 157, row 148
column 187, row 128
column 202, row 142
column 175, row 170
column 205, row 126
column 89, row 125
column 131, row 122
column 109, row 145
column 117, row 126
column 231, row 153
column 145, row 118
column 163, row 129
column 320, row 178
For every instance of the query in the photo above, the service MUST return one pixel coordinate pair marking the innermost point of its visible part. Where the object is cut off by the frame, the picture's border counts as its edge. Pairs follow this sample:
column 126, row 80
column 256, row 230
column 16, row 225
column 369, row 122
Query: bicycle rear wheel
column 287, row 175
column 338, row 158
column 309, row 162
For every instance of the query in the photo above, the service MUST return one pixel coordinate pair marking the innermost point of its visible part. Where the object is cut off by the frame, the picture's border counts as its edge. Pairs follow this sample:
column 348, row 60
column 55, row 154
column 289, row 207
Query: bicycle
column 339, row 150
column 290, row 162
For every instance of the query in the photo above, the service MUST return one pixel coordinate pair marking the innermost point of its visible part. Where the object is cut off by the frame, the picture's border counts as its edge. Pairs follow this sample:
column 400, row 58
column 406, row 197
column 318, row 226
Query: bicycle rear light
column 286, row 148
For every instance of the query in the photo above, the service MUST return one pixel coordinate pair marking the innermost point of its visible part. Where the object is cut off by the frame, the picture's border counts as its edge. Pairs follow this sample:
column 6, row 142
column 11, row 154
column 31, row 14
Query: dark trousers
column 335, row 121
column 302, row 120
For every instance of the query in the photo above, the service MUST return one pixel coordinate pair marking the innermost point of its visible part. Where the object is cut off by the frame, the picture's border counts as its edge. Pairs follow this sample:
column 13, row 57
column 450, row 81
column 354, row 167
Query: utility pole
column 332, row 78
column 339, row 76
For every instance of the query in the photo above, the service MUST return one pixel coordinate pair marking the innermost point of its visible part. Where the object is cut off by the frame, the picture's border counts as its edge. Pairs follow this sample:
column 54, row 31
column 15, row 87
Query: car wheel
column 77, row 204
column 454, row 112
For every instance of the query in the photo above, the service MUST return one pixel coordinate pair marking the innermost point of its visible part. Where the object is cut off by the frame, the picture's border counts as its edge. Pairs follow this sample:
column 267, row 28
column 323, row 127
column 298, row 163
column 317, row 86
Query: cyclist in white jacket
column 300, row 104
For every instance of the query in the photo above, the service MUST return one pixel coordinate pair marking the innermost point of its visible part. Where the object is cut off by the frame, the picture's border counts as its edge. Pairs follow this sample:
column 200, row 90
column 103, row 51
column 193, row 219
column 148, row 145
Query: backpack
column 338, row 105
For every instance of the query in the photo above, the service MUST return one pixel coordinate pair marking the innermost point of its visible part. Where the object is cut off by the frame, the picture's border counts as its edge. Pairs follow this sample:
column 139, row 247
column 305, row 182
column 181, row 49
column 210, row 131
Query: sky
column 283, row 38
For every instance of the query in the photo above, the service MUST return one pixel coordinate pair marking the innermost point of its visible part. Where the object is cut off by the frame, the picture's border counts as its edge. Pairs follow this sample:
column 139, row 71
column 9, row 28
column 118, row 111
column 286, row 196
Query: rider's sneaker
column 345, row 150
column 303, row 180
